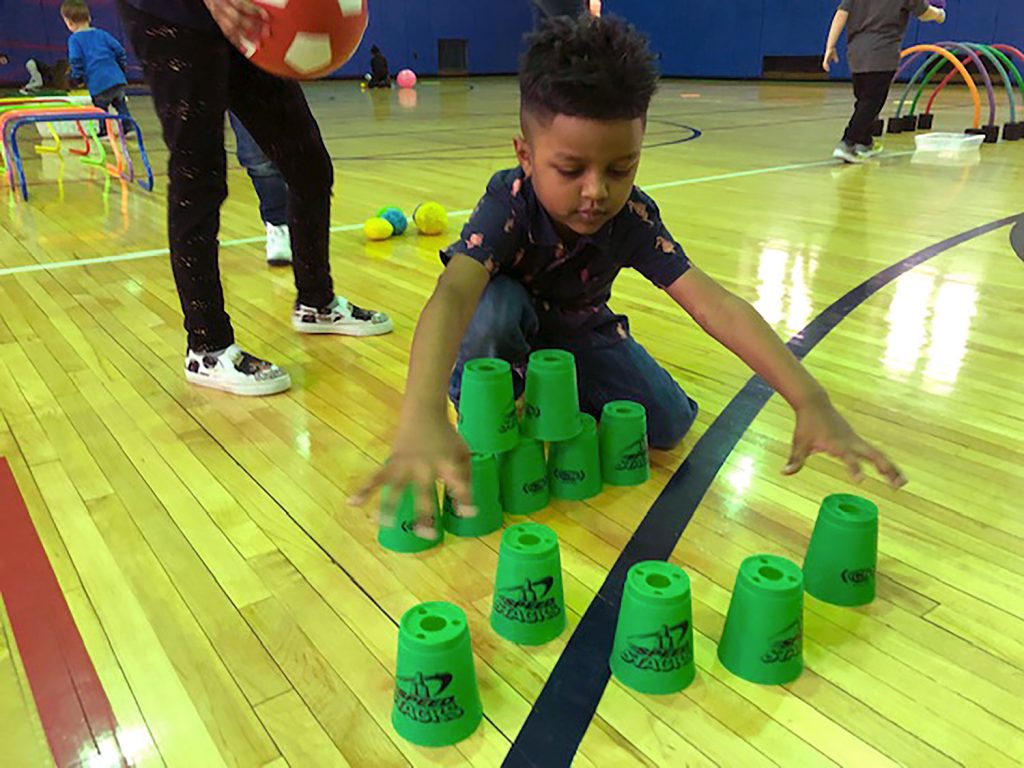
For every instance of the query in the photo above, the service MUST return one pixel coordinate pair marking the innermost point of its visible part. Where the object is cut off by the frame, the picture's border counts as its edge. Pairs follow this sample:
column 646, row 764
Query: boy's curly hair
column 596, row 68
column 75, row 11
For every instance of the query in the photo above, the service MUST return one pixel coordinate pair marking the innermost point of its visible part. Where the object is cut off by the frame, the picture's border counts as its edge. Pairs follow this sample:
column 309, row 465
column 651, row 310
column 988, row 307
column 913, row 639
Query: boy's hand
column 423, row 453
column 831, row 56
column 821, row 429
column 242, row 22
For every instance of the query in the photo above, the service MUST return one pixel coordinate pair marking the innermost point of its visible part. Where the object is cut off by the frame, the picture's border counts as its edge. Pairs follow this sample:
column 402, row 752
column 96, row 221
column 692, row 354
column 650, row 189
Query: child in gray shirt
column 874, row 31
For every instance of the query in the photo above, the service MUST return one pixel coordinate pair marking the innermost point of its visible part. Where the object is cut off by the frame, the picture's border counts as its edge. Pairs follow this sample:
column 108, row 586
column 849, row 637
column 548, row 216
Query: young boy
column 192, row 61
column 874, row 32
column 536, row 262
column 96, row 58
column 379, row 76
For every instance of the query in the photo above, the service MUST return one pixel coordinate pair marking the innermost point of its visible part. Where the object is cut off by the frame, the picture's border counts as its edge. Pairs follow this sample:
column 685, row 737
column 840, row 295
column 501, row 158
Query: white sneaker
column 279, row 245
column 341, row 317
column 866, row 152
column 236, row 372
column 847, row 153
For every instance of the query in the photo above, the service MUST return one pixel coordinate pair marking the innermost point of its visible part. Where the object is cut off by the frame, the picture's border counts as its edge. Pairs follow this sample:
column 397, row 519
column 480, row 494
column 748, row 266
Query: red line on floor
column 72, row 705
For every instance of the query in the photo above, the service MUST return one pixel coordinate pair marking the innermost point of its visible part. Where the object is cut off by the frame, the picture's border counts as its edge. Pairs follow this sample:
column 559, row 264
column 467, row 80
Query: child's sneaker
column 342, row 317
column 847, row 153
column 279, row 245
column 867, row 151
column 236, row 372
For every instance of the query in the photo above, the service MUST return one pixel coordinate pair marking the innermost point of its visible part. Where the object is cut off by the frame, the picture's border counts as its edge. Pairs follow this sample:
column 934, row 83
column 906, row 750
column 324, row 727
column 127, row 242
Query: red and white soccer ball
column 309, row 38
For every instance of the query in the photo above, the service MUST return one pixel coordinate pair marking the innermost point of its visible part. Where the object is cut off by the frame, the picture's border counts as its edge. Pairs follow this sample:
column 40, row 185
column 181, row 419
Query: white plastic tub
column 949, row 144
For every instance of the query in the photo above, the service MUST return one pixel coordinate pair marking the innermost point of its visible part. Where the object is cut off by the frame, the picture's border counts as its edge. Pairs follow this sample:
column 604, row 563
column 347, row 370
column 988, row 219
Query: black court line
column 562, row 713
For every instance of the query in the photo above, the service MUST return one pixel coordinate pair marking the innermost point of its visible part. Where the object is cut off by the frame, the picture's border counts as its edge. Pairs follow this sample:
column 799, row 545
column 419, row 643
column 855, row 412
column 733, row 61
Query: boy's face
column 582, row 170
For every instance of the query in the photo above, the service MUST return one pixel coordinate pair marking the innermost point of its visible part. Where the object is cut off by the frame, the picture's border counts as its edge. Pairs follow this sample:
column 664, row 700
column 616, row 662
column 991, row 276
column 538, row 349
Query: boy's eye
column 620, row 173
column 570, row 173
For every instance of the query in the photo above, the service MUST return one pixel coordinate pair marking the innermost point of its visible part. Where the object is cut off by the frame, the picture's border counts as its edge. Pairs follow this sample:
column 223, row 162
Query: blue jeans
column 505, row 326
column 266, row 179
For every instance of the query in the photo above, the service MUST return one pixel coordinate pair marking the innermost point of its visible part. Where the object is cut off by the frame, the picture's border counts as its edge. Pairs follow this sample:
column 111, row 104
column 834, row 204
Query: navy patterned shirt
column 511, row 234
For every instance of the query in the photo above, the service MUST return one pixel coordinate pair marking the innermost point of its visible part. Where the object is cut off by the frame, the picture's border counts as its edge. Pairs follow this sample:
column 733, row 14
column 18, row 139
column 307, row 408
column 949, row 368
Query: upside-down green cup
column 528, row 605
column 400, row 535
column 763, row 636
column 524, row 478
column 487, row 408
column 623, row 440
column 574, row 465
column 486, row 499
column 653, row 648
column 436, row 701
column 839, row 567
column 552, row 399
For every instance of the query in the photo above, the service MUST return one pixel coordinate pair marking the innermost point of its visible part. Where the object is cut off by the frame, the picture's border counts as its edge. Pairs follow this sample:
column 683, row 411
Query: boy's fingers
column 425, row 528
column 456, row 477
column 885, row 467
column 376, row 480
column 853, row 465
column 797, row 457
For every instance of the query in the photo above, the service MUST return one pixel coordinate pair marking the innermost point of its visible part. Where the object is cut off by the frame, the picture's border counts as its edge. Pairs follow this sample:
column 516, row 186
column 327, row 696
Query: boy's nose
column 595, row 187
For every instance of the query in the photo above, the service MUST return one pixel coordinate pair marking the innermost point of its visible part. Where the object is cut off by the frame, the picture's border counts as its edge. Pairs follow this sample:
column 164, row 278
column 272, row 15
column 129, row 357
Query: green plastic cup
column 653, row 649
column 763, row 636
column 400, row 536
column 574, row 466
column 436, row 698
column 623, row 440
column 524, row 478
column 839, row 567
column 552, row 398
column 528, row 606
column 487, row 406
column 486, row 499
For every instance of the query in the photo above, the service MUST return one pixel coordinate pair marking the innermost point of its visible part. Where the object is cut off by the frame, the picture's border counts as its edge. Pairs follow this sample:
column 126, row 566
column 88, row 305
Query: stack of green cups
column 653, row 649
column 436, row 700
column 574, row 465
column 840, row 564
column 487, row 408
column 763, row 636
column 552, row 398
column 486, row 499
column 524, row 478
column 528, row 606
column 623, row 439
column 400, row 535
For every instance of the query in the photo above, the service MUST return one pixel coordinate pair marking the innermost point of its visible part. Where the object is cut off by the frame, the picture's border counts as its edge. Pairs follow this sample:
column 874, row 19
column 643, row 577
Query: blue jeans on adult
column 266, row 179
column 506, row 326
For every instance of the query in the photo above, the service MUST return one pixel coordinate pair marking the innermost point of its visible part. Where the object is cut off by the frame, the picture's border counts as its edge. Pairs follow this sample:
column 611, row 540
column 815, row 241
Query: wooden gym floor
column 238, row 612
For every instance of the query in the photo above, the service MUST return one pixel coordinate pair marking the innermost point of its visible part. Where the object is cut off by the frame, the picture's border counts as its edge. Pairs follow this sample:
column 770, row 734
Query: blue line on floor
column 562, row 713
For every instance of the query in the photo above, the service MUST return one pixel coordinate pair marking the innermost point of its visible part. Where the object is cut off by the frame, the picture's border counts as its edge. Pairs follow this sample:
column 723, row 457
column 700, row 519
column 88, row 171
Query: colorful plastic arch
column 959, row 68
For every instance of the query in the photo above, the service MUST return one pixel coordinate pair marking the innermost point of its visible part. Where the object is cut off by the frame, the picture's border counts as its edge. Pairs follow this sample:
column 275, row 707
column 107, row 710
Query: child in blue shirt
column 535, row 265
column 96, row 59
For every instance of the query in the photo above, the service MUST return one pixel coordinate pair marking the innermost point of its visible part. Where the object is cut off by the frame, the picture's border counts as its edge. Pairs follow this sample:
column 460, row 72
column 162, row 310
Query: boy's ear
column 523, row 154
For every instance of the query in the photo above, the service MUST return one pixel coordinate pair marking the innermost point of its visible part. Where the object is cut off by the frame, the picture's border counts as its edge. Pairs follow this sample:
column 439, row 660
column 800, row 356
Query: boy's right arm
column 76, row 60
column 426, row 446
column 838, row 24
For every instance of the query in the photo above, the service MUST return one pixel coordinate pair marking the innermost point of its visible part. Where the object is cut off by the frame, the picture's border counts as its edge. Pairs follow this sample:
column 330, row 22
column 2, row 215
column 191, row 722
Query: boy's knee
column 669, row 420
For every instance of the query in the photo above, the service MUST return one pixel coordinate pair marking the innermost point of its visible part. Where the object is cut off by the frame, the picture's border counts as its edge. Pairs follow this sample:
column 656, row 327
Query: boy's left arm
column 737, row 325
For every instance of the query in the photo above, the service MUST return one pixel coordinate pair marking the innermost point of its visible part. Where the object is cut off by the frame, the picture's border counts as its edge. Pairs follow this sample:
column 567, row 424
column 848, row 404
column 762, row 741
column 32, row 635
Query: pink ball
column 406, row 78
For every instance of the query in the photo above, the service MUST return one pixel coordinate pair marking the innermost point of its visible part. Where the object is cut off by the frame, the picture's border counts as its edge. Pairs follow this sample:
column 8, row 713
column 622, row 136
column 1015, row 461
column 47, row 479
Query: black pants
column 871, row 90
column 195, row 77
